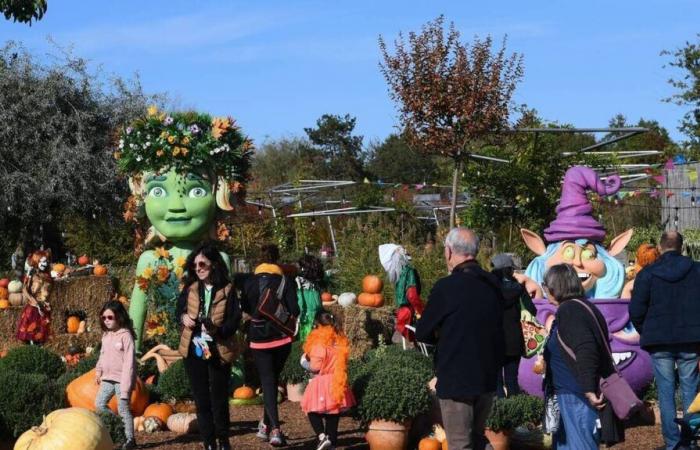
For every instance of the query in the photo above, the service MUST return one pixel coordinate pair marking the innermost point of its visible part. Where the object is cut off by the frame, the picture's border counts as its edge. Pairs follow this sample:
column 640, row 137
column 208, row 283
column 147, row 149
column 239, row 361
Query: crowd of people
column 472, row 317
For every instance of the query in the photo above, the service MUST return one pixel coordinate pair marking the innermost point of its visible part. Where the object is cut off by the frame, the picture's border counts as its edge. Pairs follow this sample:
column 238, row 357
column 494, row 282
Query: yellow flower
column 160, row 152
column 184, row 151
column 152, row 110
column 180, row 261
column 176, row 151
column 164, row 135
column 179, row 272
column 147, row 272
column 117, row 155
column 219, row 126
column 185, row 140
column 171, row 139
column 162, row 252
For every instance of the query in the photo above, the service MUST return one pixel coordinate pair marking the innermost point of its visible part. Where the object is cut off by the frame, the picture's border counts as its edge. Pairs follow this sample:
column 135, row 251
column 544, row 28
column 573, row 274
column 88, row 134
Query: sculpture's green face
column 180, row 207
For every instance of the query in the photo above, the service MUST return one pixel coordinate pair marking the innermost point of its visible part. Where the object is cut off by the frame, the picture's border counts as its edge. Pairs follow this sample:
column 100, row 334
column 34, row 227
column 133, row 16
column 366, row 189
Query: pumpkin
column 14, row 286
column 3, row 292
column 182, row 423
column 429, row 443
column 72, row 324
column 83, row 260
column 83, row 390
column 244, row 393
column 372, row 284
column 4, row 303
column 152, row 424
column 67, row 429
column 371, row 300
column 16, row 298
column 159, row 410
column 347, row 299
column 59, row 268
column 4, row 282
column 326, row 297
column 138, row 423
column 100, row 270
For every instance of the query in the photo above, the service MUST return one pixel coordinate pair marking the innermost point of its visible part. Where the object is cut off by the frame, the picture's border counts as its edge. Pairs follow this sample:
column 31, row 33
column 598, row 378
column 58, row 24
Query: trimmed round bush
column 387, row 398
column 24, row 399
column 173, row 384
column 115, row 425
column 33, row 359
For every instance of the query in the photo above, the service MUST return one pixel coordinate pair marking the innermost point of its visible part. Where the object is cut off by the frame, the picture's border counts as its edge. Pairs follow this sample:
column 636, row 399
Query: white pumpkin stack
column 15, row 290
column 347, row 299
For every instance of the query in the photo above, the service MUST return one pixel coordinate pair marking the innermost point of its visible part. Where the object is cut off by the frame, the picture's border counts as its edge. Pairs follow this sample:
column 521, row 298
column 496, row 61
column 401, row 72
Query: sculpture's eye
column 157, row 192
column 568, row 253
column 588, row 254
column 198, row 192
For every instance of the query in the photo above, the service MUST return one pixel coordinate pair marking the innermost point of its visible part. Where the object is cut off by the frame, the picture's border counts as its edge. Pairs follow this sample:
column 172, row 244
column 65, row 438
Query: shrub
column 24, row 400
column 115, row 425
column 394, row 393
column 86, row 364
column 531, row 408
column 33, row 359
column 64, row 380
column 512, row 412
column 292, row 372
column 174, row 384
column 396, row 355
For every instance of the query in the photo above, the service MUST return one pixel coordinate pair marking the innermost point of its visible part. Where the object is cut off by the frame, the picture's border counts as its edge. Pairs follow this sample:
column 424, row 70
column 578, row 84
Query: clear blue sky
column 277, row 66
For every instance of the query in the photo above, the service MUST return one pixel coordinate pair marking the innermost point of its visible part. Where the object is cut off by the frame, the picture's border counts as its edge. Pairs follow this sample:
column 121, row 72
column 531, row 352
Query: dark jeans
column 508, row 378
column 684, row 361
column 330, row 428
column 270, row 363
column 209, row 383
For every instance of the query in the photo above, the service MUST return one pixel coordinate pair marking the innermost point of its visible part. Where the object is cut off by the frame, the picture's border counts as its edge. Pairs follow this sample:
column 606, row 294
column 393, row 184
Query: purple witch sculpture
column 575, row 238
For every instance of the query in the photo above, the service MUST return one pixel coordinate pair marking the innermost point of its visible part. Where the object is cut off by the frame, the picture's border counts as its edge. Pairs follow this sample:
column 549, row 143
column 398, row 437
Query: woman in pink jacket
column 116, row 367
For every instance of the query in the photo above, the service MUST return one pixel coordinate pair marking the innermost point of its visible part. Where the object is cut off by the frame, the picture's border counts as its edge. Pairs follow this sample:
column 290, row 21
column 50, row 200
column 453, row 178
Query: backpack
column 271, row 307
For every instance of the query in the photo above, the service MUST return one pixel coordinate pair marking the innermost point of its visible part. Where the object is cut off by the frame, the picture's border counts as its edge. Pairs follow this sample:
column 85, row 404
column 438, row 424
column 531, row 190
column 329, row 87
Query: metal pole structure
column 330, row 227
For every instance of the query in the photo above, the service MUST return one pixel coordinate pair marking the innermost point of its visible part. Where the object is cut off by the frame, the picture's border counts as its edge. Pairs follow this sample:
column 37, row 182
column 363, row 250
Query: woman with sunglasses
column 210, row 314
column 116, row 366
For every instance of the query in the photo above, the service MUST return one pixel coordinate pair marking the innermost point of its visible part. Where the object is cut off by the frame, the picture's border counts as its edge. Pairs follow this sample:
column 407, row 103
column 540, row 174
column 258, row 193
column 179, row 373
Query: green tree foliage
column 393, row 161
column 342, row 151
column 55, row 144
column 285, row 160
column 23, row 11
column 687, row 60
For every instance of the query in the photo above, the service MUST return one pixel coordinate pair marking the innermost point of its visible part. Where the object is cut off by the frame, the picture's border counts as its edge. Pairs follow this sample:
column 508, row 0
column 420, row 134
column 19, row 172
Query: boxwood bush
column 395, row 393
column 33, row 359
column 173, row 384
column 25, row 398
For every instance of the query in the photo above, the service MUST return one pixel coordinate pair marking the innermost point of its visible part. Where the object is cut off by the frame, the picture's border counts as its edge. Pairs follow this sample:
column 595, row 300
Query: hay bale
column 363, row 326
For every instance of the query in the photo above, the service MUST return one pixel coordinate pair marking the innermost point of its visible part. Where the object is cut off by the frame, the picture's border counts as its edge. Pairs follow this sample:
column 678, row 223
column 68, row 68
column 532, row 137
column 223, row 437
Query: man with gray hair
column 464, row 319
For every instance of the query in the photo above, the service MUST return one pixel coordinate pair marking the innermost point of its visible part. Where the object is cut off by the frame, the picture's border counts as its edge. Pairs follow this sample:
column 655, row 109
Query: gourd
column 372, row 284
column 152, row 424
column 67, row 429
column 82, row 392
column 160, row 410
column 182, row 423
column 347, row 299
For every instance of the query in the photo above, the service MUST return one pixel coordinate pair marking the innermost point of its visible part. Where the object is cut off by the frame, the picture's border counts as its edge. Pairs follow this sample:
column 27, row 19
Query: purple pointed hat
column 575, row 213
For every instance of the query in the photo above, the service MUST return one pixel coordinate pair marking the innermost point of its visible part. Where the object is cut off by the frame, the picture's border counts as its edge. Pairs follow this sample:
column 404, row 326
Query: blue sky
column 277, row 66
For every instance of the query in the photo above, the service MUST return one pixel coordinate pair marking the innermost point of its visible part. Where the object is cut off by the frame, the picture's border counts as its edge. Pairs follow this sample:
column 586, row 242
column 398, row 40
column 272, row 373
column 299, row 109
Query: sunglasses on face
column 202, row 265
column 108, row 317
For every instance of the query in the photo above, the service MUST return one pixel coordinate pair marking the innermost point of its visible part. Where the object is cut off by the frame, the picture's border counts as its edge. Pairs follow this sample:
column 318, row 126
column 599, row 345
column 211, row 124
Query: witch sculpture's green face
column 180, row 207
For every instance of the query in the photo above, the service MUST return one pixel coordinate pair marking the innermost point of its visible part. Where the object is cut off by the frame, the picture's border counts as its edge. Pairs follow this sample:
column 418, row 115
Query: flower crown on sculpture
column 186, row 142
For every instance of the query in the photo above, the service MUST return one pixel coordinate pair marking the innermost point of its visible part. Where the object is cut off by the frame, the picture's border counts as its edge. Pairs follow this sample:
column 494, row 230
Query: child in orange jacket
column 328, row 394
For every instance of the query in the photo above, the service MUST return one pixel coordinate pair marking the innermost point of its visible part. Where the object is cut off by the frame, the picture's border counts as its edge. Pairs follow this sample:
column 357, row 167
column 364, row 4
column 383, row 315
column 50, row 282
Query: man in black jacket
column 665, row 310
column 464, row 318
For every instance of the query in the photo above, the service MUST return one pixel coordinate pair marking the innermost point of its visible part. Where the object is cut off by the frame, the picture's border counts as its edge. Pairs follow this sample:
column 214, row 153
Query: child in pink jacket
column 116, row 367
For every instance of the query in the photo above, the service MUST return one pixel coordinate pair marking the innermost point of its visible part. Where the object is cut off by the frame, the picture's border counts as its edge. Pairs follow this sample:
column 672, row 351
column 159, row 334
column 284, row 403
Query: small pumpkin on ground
column 182, row 423
column 152, row 424
column 159, row 410
column 429, row 443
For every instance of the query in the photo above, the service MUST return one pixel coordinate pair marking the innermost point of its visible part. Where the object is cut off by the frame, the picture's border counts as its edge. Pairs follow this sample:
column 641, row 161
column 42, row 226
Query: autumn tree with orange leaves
column 451, row 95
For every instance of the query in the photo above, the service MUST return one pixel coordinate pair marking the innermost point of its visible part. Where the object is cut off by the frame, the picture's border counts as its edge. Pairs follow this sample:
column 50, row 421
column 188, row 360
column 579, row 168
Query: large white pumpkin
column 67, row 429
column 14, row 286
column 347, row 299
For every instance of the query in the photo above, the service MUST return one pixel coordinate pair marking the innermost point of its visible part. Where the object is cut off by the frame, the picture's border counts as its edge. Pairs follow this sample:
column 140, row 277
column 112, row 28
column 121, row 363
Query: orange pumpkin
column 160, row 410
column 3, row 292
column 83, row 260
column 444, row 445
column 372, row 284
column 371, row 300
column 72, row 324
column 4, row 303
column 326, row 297
column 4, row 282
column 244, row 393
column 82, row 392
column 59, row 268
column 100, row 270
column 429, row 443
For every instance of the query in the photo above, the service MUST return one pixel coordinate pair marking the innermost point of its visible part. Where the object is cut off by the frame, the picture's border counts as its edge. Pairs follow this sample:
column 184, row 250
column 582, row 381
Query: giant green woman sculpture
column 181, row 167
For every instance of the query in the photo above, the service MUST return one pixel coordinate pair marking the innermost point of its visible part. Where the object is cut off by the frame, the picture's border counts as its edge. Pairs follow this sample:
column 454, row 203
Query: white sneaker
column 323, row 442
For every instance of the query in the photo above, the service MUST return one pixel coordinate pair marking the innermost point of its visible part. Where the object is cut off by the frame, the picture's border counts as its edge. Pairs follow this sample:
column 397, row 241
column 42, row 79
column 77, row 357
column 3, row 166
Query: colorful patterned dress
column 34, row 321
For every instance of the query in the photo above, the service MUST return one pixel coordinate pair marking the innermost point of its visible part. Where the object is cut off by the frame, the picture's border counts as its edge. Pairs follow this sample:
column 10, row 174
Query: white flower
column 139, row 158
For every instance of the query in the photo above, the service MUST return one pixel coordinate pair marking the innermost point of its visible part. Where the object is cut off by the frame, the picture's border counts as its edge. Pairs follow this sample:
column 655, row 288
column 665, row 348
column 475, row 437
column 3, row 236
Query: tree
column 394, row 161
column 23, row 11
column 687, row 59
column 451, row 95
column 286, row 160
column 342, row 152
column 55, row 146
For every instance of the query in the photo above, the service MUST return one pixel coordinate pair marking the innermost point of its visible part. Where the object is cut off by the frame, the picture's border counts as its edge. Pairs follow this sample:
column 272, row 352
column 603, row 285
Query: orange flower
column 184, row 151
column 163, row 273
column 219, row 126
column 143, row 283
column 162, row 252
column 160, row 152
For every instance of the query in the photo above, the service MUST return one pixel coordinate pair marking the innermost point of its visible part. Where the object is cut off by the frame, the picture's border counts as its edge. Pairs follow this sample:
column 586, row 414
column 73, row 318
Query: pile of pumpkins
column 82, row 391
column 10, row 293
column 371, row 292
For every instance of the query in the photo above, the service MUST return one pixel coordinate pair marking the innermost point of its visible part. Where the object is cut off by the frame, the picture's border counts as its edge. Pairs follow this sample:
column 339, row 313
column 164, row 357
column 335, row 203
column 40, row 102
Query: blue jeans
column 665, row 364
column 577, row 429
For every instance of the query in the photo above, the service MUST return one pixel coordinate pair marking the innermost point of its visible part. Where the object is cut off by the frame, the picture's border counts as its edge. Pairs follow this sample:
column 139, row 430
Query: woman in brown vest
column 210, row 314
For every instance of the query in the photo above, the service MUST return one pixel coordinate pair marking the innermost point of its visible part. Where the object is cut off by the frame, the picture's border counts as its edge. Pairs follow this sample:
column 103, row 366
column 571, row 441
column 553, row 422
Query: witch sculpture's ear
column 533, row 241
column 620, row 242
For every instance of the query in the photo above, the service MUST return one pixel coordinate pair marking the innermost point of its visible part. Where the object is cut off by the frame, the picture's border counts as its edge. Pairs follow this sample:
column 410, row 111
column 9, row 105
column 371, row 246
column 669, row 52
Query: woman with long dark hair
column 210, row 314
